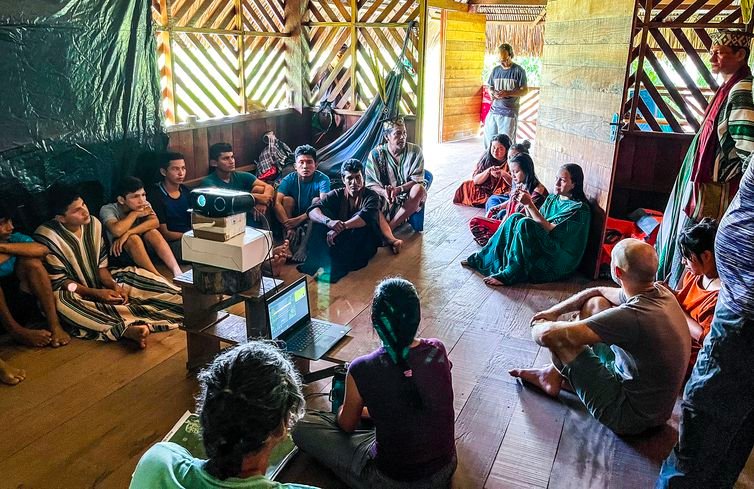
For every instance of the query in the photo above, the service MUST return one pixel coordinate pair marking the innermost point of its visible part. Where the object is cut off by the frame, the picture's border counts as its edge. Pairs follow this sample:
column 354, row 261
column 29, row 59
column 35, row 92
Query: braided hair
column 396, row 314
column 247, row 394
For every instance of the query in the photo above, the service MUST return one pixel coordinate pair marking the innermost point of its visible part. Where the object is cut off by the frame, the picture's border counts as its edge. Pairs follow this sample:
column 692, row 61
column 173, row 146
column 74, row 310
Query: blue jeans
column 496, row 200
column 717, row 419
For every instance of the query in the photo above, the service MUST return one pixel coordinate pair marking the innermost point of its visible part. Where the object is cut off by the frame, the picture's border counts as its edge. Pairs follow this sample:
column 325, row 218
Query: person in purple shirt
column 405, row 389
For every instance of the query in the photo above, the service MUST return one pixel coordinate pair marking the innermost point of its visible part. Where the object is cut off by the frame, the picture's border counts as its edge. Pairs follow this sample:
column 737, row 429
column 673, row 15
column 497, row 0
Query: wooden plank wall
column 646, row 168
column 583, row 73
column 463, row 44
column 245, row 134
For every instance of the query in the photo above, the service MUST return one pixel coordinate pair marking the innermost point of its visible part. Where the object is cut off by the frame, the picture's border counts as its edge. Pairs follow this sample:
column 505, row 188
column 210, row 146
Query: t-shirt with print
column 170, row 466
column 113, row 212
column 304, row 192
column 239, row 180
column 652, row 344
column 8, row 266
column 507, row 106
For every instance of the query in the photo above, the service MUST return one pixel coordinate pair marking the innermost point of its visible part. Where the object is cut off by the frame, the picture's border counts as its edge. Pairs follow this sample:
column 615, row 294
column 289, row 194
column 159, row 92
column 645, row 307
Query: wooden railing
column 675, row 31
column 527, row 115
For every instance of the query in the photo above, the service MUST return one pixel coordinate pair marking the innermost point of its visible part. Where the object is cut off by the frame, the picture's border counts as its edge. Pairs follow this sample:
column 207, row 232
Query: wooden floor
column 88, row 411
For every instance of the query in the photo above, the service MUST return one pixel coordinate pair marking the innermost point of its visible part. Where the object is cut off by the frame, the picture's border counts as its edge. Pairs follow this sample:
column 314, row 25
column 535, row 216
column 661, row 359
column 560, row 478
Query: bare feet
column 548, row 379
column 396, row 246
column 11, row 375
column 137, row 333
column 59, row 337
column 493, row 281
column 31, row 337
column 464, row 263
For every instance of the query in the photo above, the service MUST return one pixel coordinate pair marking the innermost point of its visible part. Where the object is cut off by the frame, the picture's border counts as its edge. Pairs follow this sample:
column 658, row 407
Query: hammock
column 366, row 134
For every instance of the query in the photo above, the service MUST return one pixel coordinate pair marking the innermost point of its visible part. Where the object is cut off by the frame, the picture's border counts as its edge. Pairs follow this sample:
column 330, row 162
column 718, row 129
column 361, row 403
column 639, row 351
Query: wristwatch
column 327, row 221
column 72, row 286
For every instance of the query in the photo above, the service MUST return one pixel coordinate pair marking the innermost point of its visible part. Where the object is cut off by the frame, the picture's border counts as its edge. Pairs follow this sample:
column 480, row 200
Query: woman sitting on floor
column 700, row 283
column 539, row 246
column 522, row 172
column 513, row 151
column 250, row 396
column 490, row 176
column 406, row 389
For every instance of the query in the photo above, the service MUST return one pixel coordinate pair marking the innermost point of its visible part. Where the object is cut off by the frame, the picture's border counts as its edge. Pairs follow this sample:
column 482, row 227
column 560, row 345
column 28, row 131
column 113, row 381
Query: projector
column 218, row 202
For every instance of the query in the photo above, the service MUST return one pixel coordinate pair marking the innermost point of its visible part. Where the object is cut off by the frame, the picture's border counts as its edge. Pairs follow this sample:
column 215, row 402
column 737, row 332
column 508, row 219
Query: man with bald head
column 625, row 356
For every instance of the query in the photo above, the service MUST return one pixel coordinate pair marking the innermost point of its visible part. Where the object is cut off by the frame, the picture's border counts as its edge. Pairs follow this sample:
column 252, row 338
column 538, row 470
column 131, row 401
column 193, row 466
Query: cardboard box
column 239, row 253
column 218, row 228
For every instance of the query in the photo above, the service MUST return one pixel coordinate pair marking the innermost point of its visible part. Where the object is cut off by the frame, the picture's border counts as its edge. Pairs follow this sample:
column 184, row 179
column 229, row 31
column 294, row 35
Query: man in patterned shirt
column 717, row 419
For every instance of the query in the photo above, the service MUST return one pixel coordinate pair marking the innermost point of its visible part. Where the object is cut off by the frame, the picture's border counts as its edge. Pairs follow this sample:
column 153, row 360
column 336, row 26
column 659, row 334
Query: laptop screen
column 288, row 309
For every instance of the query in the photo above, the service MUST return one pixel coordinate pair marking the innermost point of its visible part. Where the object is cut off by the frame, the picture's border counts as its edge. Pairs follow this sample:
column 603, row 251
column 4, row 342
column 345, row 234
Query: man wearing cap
column 714, row 163
column 506, row 85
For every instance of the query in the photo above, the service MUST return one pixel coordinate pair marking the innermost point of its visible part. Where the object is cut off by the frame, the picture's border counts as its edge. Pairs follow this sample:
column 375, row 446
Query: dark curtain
column 81, row 97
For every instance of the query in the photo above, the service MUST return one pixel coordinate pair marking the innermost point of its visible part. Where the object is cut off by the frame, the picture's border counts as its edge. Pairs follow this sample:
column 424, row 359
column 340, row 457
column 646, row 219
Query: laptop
column 289, row 319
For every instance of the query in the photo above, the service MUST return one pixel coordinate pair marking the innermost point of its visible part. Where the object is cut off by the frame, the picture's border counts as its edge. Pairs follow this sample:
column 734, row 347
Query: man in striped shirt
column 717, row 422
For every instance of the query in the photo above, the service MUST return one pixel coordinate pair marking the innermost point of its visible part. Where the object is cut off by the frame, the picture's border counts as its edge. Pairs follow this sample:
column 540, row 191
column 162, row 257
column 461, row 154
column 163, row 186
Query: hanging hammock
column 366, row 134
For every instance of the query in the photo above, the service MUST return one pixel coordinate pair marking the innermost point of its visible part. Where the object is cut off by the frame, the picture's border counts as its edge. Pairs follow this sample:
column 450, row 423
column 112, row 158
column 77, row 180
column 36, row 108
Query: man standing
column 225, row 176
column 716, row 434
column 506, row 84
column 627, row 354
column 395, row 170
column 710, row 173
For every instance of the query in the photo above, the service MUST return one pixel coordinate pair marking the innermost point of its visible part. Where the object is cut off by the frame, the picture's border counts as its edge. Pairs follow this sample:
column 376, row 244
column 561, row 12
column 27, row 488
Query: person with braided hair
column 249, row 398
column 405, row 389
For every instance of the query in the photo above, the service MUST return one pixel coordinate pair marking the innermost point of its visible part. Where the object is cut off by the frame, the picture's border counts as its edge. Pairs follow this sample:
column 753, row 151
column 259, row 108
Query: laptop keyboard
column 308, row 336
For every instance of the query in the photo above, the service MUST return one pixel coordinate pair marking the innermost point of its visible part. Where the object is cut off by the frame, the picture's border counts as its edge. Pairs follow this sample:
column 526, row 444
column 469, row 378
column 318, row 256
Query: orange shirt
column 699, row 304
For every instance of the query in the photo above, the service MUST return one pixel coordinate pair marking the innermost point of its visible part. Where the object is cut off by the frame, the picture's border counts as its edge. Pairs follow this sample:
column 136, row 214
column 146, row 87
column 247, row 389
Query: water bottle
column 338, row 390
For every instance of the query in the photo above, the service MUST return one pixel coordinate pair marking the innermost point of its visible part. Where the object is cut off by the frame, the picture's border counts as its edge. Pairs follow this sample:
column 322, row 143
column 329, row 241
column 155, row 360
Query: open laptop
column 289, row 319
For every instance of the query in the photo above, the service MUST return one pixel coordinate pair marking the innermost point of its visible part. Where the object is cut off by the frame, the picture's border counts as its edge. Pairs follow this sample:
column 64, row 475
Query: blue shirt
column 734, row 250
column 7, row 267
column 174, row 213
column 239, row 180
column 507, row 106
column 304, row 192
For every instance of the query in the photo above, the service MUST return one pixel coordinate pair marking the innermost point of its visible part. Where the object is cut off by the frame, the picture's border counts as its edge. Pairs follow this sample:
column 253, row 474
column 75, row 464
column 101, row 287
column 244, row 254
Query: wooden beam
column 294, row 12
column 532, row 3
column 449, row 5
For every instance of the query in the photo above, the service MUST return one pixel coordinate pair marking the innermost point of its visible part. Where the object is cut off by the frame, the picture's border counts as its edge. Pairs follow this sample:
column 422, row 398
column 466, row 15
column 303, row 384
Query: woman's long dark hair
column 487, row 160
column 247, row 394
column 577, row 177
column 698, row 238
column 524, row 161
column 396, row 314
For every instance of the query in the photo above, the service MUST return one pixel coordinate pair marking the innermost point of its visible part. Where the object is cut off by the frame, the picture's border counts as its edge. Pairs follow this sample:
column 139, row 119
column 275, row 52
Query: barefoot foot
column 31, row 337
column 11, row 375
column 493, row 281
column 137, row 333
column 548, row 379
column 59, row 337
column 464, row 263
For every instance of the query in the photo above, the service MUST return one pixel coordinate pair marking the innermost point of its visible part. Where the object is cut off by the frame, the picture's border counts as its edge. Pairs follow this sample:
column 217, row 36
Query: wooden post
column 421, row 49
column 354, row 46
column 294, row 14
column 640, row 64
